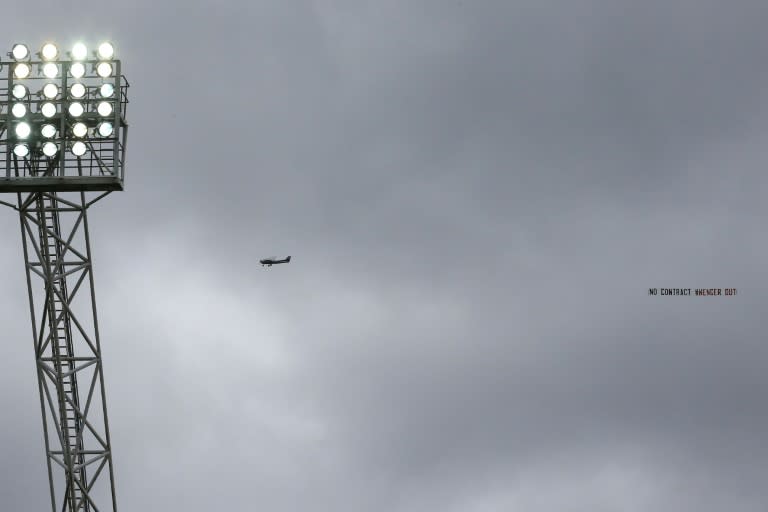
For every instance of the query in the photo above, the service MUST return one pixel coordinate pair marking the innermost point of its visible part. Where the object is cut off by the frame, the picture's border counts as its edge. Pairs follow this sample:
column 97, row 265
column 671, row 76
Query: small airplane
column 273, row 261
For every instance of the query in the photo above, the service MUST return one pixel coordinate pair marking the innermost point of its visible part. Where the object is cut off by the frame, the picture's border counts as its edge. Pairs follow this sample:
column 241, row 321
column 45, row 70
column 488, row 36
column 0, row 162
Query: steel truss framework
column 60, row 281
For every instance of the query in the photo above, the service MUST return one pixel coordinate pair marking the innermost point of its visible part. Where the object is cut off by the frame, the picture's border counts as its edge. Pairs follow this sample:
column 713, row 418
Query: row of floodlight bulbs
column 51, row 92
column 80, row 130
column 50, row 148
column 50, row 52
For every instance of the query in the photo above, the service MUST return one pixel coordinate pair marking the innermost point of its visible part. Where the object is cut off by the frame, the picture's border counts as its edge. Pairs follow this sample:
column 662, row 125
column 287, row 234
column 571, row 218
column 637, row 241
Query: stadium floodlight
column 104, row 109
column 80, row 130
column 79, row 51
column 23, row 130
column 48, row 109
column 104, row 69
column 106, row 90
column 106, row 50
column 19, row 91
column 21, row 150
column 20, row 52
column 21, row 70
column 63, row 134
column 104, row 129
column 76, row 109
column 77, row 69
column 49, row 51
column 48, row 131
column 50, row 91
column 50, row 149
column 77, row 91
column 78, row 148
column 50, row 70
column 19, row 110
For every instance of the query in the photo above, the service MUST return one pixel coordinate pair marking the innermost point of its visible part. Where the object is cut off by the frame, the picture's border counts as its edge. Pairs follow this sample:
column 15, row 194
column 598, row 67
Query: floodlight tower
column 62, row 148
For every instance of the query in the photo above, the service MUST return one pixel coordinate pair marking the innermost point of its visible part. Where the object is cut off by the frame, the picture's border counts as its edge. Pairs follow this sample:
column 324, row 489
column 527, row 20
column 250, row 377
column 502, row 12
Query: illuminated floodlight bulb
column 104, row 109
column 104, row 69
column 79, row 130
column 79, row 51
column 21, row 150
column 77, row 69
column 48, row 109
column 48, row 131
column 21, row 70
column 106, row 51
column 19, row 91
column 20, row 51
column 104, row 129
column 50, row 70
column 78, row 148
column 77, row 90
column 106, row 90
column 19, row 110
column 50, row 91
column 49, row 51
column 50, row 149
column 23, row 130
column 76, row 109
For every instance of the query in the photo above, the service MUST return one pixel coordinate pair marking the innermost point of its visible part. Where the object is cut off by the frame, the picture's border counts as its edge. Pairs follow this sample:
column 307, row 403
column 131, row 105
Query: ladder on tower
column 62, row 350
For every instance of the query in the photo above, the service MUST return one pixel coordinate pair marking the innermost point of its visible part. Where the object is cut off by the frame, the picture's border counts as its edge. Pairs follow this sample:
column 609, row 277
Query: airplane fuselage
column 269, row 261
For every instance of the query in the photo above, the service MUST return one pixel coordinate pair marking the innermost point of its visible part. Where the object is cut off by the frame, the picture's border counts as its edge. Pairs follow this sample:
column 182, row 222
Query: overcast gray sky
column 477, row 197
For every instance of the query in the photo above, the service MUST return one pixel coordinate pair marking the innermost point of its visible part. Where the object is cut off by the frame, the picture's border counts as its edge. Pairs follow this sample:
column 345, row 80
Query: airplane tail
column 288, row 259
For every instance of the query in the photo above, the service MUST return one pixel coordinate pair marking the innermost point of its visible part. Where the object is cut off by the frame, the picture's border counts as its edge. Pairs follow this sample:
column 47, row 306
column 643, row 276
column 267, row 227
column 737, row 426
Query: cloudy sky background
column 477, row 197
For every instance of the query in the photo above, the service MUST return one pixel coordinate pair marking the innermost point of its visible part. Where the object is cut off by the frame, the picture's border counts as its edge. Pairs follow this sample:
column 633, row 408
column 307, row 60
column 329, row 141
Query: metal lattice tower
column 59, row 158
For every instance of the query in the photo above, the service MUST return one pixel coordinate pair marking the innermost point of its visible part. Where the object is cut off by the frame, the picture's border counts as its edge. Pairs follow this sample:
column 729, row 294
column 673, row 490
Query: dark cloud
column 477, row 197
